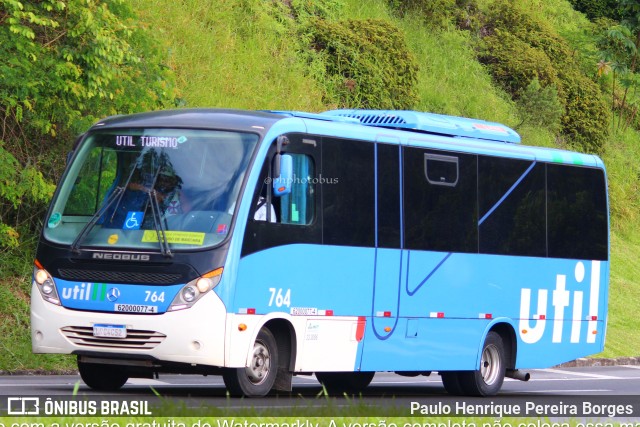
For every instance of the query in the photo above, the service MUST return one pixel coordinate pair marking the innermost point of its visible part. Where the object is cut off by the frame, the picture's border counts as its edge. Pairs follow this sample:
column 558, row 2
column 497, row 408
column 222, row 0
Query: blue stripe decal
column 375, row 192
column 375, row 256
column 375, row 267
column 411, row 293
column 397, row 315
column 401, row 172
column 513, row 187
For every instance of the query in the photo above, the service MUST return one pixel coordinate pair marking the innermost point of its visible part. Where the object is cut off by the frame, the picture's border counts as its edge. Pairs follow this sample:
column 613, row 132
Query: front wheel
column 488, row 379
column 102, row 377
column 257, row 379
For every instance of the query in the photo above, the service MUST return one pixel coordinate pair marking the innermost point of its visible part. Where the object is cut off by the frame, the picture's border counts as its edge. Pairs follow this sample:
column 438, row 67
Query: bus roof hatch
column 430, row 123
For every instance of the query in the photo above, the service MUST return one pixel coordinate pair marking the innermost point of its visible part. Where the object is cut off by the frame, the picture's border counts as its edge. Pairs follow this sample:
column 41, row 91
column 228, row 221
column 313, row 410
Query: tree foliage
column 63, row 65
column 595, row 9
column 519, row 48
column 619, row 47
column 364, row 64
column 540, row 106
column 437, row 13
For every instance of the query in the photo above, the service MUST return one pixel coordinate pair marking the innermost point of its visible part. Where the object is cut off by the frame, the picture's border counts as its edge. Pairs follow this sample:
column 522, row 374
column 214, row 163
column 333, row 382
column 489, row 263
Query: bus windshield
column 140, row 188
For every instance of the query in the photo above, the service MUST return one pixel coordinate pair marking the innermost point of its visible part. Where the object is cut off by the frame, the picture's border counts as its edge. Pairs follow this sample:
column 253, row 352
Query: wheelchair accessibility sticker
column 133, row 220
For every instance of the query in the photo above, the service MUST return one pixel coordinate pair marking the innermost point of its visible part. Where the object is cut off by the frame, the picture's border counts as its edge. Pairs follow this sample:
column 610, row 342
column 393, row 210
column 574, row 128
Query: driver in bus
column 169, row 192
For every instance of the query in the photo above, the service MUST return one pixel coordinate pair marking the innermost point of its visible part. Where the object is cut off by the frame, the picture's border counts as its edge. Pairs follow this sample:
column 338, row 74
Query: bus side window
column 298, row 207
column 264, row 210
column 441, row 170
column 263, row 204
column 440, row 200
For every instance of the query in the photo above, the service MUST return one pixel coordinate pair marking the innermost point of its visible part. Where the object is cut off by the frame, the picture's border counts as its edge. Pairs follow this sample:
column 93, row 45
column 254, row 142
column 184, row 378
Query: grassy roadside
column 230, row 54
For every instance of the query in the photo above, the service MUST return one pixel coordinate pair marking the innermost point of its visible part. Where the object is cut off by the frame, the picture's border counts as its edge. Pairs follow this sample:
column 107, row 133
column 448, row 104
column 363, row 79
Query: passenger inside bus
column 261, row 211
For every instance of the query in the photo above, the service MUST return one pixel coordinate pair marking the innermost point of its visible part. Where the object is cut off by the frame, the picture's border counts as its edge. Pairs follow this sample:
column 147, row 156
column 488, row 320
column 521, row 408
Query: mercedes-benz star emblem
column 113, row 294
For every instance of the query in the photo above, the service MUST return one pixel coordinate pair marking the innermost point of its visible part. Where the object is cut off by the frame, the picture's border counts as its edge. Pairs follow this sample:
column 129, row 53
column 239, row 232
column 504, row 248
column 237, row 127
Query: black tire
column 451, row 382
column 102, row 377
column 257, row 379
column 344, row 382
column 488, row 379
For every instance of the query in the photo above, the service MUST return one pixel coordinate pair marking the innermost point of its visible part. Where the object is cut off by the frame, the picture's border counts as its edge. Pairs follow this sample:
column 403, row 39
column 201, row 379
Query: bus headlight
column 45, row 284
column 47, row 287
column 189, row 294
column 196, row 289
column 40, row 276
column 204, row 284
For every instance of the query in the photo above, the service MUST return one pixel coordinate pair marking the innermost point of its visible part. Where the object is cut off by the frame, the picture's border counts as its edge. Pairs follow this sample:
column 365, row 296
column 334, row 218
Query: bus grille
column 118, row 276
column 136, row 339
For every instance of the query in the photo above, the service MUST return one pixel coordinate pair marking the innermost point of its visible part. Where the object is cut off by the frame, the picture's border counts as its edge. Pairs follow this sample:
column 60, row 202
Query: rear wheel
column 341, row 382
column 102, row 377
column 451, row 382
column 257, row 379
column 488, row 379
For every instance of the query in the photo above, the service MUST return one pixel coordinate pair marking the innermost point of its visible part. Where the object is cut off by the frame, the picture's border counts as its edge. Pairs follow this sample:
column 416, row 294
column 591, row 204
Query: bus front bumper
column 195, row 335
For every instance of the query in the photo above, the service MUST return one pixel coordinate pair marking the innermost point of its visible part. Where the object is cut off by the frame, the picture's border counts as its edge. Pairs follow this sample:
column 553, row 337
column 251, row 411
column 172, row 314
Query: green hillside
column 244, row 54
column 531, row 64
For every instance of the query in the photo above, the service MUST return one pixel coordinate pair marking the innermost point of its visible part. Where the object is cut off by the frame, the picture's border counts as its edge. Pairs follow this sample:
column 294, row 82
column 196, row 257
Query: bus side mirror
column 283, row 174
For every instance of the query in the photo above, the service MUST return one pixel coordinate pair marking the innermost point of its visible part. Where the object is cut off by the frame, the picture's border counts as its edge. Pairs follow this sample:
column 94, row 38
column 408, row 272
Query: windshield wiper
column 75, row 246
column 158, row 224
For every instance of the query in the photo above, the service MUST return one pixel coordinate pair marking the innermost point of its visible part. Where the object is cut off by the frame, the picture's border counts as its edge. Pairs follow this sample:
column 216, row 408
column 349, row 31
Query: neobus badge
column 121, row 257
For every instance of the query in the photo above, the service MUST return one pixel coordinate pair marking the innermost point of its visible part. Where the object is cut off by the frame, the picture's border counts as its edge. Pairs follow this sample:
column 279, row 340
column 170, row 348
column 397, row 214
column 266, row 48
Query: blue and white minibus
column 263, row 245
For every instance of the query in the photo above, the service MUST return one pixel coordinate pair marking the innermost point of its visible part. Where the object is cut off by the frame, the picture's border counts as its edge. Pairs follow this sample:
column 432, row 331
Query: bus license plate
column 110, row 331
column 136, row 308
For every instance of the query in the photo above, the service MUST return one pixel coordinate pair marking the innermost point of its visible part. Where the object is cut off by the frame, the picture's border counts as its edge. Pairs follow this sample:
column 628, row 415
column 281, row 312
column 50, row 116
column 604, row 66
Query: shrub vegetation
column 520, row 48
column 65, row 64
column 365, row 64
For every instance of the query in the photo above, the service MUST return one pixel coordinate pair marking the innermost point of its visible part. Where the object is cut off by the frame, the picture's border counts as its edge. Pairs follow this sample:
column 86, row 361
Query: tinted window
column 388, row 196
column 512, row 207
column 348, row 192
column 441, row 170
column 298, row 207
column 440, row 217
column 277, row 221
column 577, row 212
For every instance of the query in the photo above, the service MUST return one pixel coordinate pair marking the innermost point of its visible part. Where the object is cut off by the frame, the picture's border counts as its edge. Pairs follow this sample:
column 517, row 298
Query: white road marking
column 145, row 381
column 580, row 374
column 560, row 391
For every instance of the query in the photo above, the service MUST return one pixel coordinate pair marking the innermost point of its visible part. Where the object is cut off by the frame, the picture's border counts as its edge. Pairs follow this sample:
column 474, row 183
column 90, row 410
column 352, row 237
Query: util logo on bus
column 562, row 299
column 86, row 292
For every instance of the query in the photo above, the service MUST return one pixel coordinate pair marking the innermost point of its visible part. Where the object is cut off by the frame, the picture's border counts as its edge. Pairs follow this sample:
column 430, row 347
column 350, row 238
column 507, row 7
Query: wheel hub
column 260, row 365
column 490, row 364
